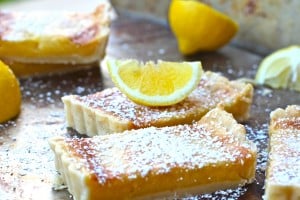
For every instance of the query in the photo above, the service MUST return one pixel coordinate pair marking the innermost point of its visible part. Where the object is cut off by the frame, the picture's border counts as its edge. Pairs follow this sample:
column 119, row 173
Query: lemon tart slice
column 209, row 155
column 54, row 38
column 110, row 111
column 283, row 171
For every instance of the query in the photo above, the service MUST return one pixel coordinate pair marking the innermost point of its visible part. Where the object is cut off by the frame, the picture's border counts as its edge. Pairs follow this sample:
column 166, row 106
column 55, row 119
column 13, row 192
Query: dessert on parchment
column 283, row 171
column 110, row 111
column 41, row 41
column 208, row 155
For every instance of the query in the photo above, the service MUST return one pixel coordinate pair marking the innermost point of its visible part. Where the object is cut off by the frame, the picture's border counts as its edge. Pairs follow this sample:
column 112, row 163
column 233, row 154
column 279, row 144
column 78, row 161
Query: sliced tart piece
column 110, row 111
column 209, row 155
column 57, row 39
column 283, row 171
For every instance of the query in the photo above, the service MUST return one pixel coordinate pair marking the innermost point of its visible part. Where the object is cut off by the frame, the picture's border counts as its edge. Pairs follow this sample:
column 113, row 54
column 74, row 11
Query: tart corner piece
column 87, row 118
column 75, row 178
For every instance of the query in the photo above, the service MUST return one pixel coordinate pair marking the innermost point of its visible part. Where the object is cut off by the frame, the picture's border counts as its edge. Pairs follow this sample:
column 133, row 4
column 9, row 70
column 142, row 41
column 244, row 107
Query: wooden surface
column 26, row 162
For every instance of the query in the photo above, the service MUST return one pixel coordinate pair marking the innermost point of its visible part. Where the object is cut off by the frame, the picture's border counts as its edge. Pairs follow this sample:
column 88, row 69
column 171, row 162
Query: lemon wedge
column 199, row 27
column 155, row 84
column 281, row 69
column 10, row 101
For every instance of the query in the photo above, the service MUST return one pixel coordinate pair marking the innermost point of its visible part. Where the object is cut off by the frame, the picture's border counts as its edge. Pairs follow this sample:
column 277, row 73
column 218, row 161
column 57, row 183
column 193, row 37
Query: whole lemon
column 199, row 27
column 10, row 94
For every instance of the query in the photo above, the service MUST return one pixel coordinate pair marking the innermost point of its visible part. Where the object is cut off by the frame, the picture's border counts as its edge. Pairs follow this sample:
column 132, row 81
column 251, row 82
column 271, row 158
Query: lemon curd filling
column 45, row 48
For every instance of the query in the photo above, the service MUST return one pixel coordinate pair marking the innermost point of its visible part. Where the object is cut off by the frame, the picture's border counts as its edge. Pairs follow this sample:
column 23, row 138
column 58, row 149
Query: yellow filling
column 175, row 179
column 46, row 48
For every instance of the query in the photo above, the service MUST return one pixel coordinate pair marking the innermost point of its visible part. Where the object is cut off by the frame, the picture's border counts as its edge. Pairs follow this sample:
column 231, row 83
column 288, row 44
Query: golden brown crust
column 110, row 111
column 158, row 161
column 285, row 119
column 283, row 172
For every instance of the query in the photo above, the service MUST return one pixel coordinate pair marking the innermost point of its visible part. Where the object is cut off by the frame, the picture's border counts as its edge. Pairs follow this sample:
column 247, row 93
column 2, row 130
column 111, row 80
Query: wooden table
column 26, row 162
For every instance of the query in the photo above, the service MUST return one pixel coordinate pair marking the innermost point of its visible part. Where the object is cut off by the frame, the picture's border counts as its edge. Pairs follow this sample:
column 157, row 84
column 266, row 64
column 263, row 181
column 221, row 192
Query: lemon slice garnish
column 155, row 84
column 281, row 69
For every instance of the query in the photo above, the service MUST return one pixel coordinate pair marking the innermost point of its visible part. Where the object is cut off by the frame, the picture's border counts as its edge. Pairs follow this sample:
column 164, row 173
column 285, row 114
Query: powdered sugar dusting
column 285, row 152
column 229, row 194
column 154, row 151
column 213, row 90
